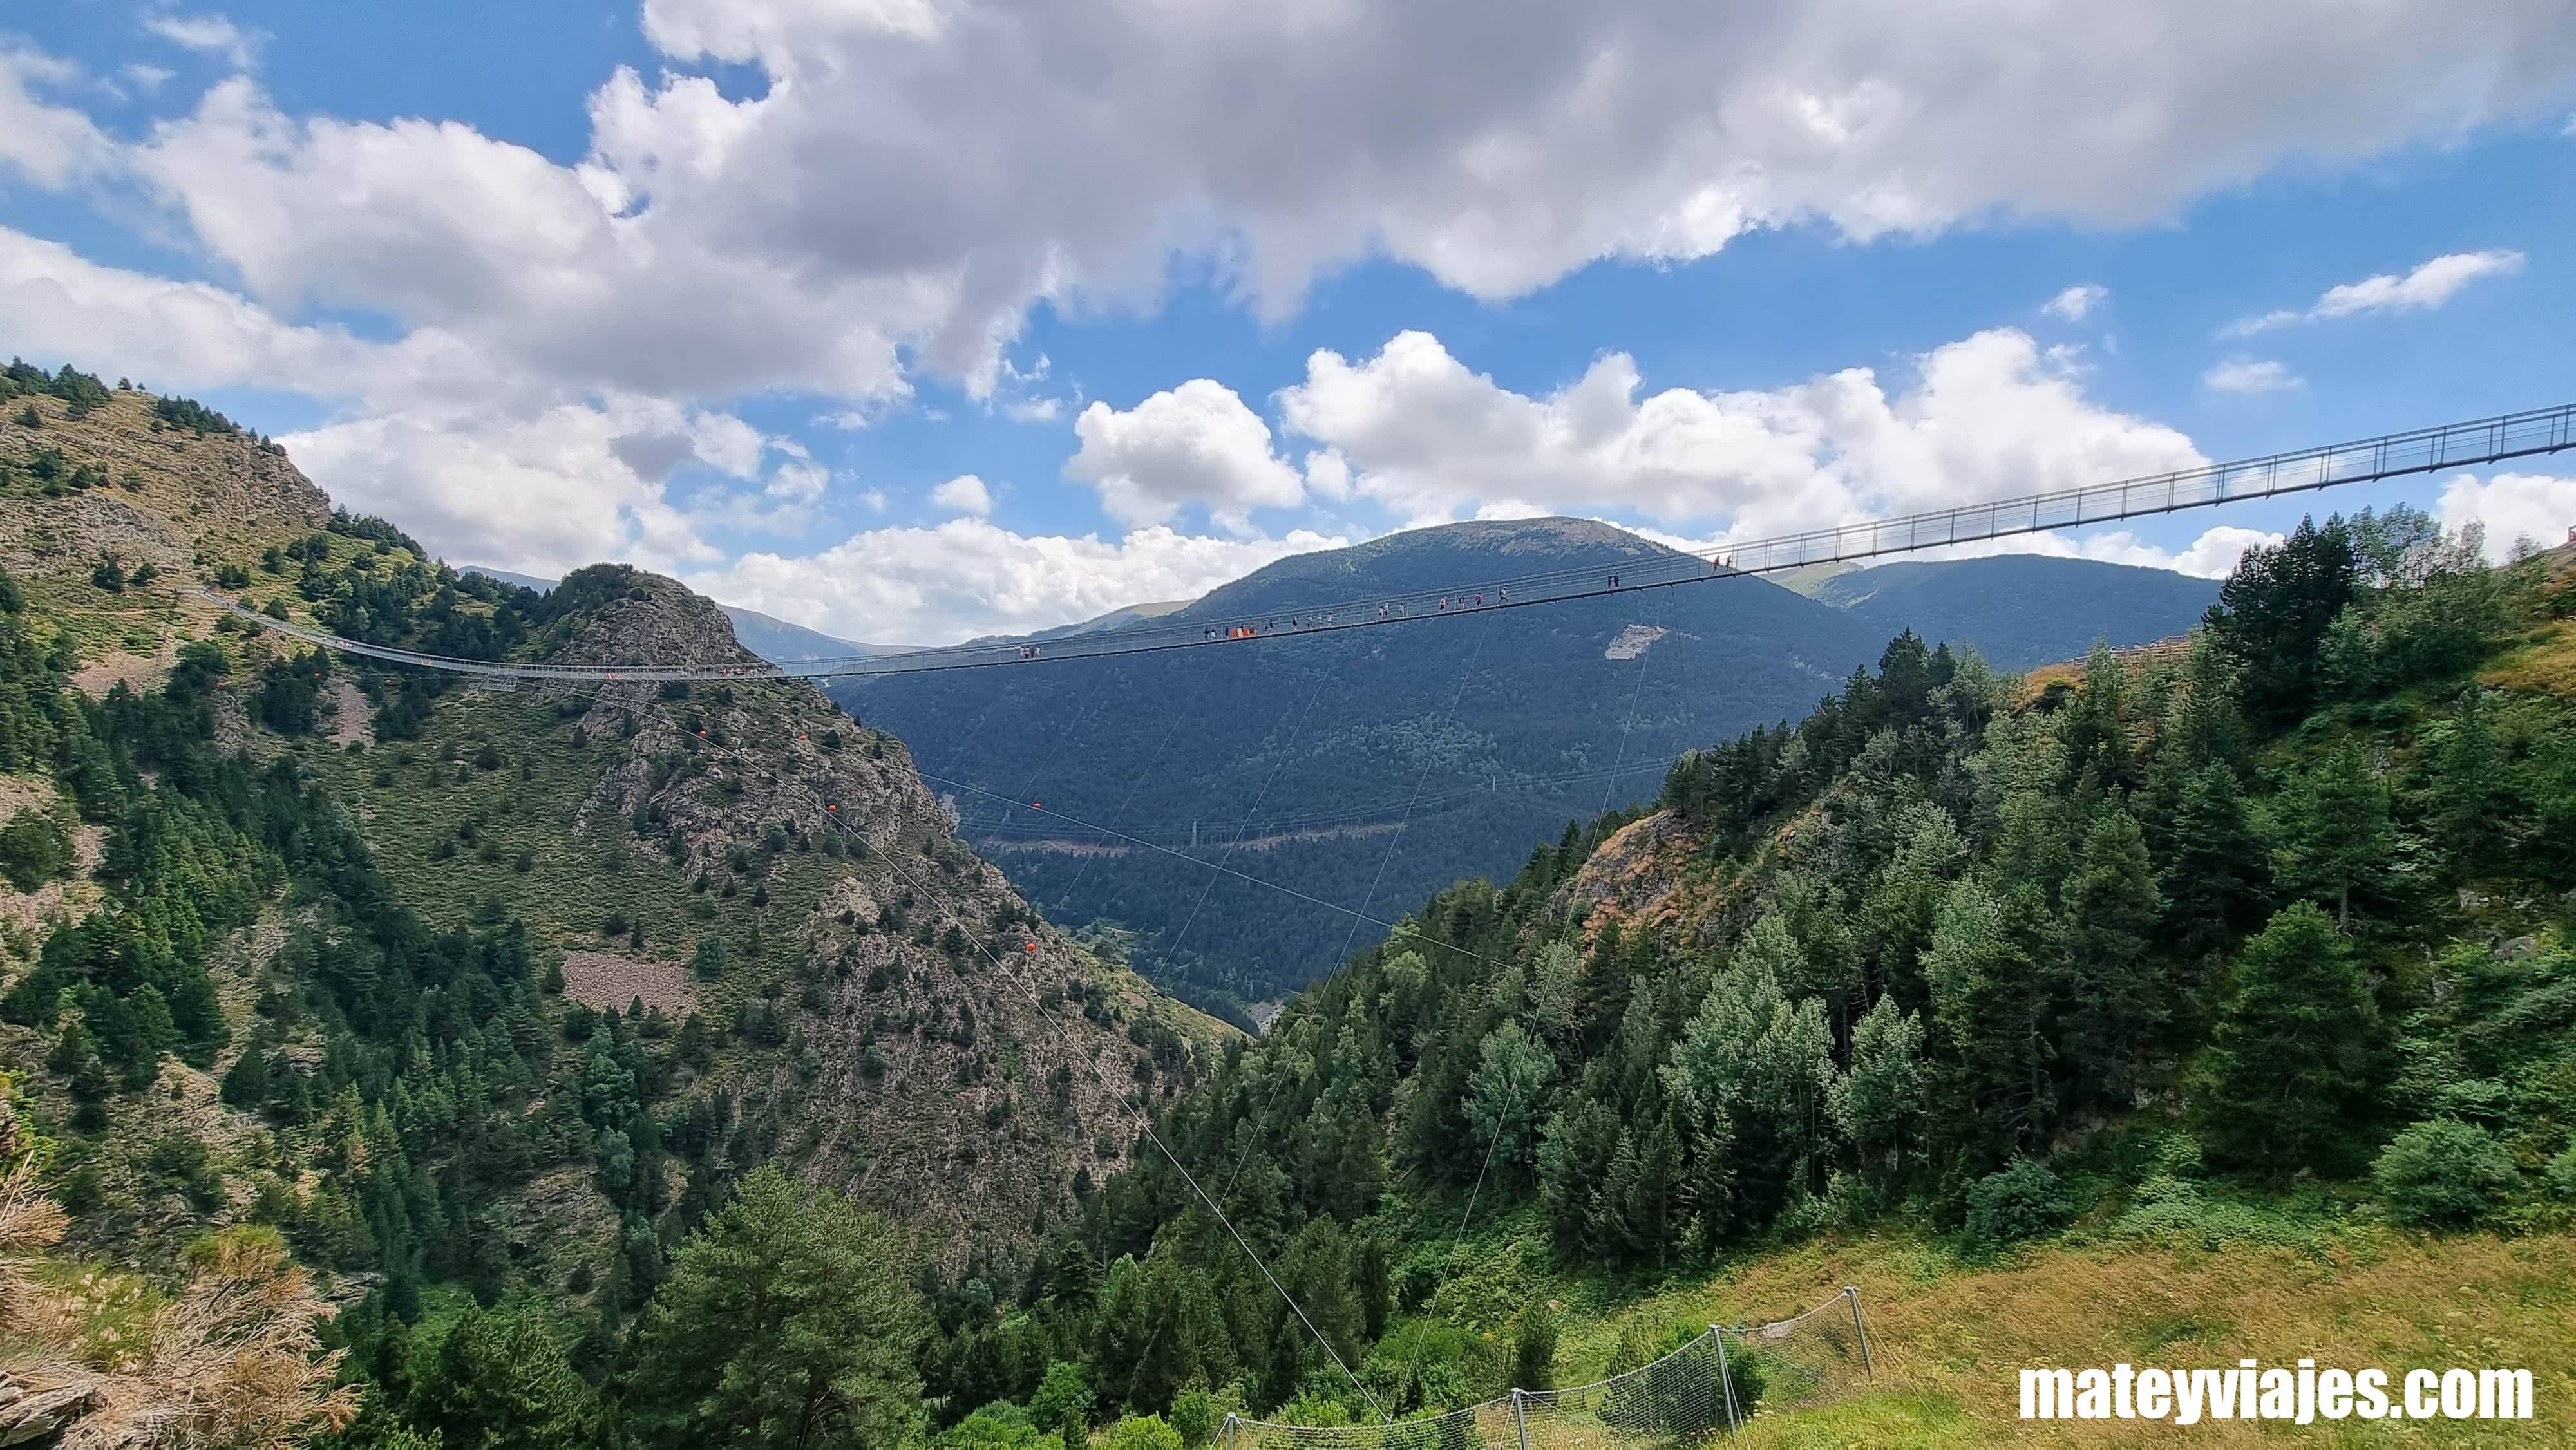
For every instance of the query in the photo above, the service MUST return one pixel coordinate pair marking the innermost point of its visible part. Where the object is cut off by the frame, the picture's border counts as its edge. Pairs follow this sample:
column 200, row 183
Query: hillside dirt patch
column 69, row 898
column 141, row 674
column 603, row 980
column 352, row 725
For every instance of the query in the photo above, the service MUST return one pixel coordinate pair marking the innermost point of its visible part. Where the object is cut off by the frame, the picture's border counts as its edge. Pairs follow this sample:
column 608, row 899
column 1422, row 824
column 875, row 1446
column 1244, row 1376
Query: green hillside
column 1959, row 991
column 2021, row 610
column 316, row 977
column 392, row 1064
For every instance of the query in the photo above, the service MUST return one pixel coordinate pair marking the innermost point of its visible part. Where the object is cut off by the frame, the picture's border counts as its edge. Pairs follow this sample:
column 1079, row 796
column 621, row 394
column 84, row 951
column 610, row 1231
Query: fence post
column 1520, row 1418
column 1225, row 1437
column 1726, row 1382
column 1853, row 1293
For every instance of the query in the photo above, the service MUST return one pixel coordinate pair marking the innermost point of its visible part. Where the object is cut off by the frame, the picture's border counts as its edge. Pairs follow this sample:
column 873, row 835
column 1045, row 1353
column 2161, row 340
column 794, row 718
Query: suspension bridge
column 2473, row 444
column 1716, row 1381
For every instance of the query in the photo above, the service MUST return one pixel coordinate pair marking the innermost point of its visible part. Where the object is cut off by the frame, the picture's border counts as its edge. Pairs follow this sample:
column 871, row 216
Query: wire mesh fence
column 1799, row 1362
column 1710, row 1385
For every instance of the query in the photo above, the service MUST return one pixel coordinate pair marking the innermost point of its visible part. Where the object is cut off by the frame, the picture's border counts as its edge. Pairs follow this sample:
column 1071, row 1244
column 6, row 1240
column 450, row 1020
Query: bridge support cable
column 1145, row 1125
column 2472, row 444
column 1277, row 768
column 1383, row 814
column 1343, row 958
column 1139, row 841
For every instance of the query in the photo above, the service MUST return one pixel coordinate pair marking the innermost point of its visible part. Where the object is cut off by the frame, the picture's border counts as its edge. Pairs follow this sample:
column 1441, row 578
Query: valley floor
column 1950, row 1337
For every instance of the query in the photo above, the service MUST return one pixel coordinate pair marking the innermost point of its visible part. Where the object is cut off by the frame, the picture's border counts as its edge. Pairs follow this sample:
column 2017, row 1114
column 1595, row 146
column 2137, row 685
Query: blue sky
column 910, row 319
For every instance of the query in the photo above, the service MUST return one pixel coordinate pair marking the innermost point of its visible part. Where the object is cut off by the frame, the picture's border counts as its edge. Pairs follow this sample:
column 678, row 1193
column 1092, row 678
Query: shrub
column 1194, row 1415
column 2023, row 1201
column 999, row 1426
column 1063, row 1399
column 34, row 849
column 2443, row 1173
column 1144, row 1432
column 1534, row 1349
column 2561, row 1174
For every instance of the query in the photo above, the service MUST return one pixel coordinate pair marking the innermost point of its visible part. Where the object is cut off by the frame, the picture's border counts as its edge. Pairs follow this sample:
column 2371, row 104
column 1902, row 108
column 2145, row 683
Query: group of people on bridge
column 1390, row 610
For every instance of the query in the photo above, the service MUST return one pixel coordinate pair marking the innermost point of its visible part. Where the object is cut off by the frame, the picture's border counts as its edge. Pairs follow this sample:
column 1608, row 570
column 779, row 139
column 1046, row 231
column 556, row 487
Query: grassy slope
column 1951, row 1336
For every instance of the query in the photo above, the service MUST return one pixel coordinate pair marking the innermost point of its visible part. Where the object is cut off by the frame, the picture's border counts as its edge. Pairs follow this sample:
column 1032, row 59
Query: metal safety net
column 1710, row 1385
column 1799, row 1362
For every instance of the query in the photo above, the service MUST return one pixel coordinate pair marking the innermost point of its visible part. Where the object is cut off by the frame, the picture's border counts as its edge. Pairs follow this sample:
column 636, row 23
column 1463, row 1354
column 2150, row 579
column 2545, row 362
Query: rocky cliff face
column 963, row 1064
column 140, row 492
column 906, row 1030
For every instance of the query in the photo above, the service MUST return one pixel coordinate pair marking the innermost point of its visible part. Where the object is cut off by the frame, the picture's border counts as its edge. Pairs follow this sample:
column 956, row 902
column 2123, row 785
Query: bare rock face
column 38, row 1417
column 962, row 1062
column 163, row 496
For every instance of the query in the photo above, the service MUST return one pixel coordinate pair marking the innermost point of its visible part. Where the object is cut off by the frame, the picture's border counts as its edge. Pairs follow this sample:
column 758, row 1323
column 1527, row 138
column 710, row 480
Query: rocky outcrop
column 165, row 495
column 960, row 1063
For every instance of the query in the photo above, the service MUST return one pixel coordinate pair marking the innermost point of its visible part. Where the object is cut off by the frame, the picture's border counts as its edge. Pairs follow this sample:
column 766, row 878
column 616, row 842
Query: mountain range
column 1375, row 767
column 767, row 636
column 2020, row 610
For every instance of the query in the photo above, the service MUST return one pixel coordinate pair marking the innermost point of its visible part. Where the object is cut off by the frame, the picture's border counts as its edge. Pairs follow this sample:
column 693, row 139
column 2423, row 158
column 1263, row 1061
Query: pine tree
column 2112, row 908
column 2336, row 837
column 496, row 1380
column 2215, row 884
column 1121, row 1332
column 1573, row 1158
column 2467, row 784
column 2273, row 612
column 1995, row 980
column 1506, row 1097
column 1879, row 1103
column 787, row 1320
column 2291, row 1062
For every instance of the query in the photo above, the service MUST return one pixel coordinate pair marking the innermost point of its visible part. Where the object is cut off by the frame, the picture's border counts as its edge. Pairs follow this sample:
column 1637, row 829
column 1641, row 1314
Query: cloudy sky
column 911, row 319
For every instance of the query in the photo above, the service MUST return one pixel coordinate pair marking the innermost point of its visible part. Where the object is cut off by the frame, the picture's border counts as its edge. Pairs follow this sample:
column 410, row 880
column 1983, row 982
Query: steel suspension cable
column 2427, row 450
column 1145, row 1124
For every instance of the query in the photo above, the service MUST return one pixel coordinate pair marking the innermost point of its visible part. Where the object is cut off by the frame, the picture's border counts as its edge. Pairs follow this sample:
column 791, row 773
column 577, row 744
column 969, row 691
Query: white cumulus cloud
column 206, row 34
column 2075, row 302
column 1988, row 416
column 968, row 577
column 2249, row 375
column 2511, row 507
column 964, row 494
column 1194, row 445
column 2426, row 287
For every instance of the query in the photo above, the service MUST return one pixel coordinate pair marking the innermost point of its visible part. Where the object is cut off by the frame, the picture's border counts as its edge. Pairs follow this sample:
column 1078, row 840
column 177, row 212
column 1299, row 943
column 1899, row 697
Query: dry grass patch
column 603, row 980
column 1950, row 1338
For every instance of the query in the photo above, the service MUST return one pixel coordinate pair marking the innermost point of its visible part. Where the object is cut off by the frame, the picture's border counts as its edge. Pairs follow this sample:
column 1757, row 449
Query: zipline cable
column 1145, row 1124
column 1076, row 821
column 1343, row 958
column 1259, row 796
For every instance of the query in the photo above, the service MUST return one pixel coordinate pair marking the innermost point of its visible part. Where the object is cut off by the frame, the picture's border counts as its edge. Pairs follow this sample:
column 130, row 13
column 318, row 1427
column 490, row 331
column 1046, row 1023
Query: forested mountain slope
column 1302, row 758
column 459, row 994
column 2020, row 610
column 2265, row 947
